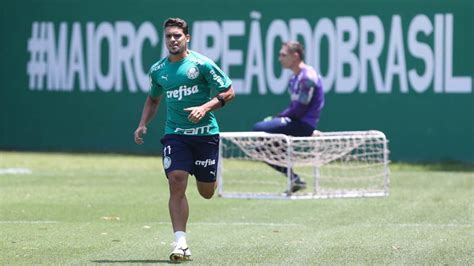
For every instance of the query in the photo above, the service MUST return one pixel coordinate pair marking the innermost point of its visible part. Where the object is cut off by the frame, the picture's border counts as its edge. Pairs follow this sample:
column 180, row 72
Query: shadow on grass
column 452, row 167
column 438, row 167
column 135, row 261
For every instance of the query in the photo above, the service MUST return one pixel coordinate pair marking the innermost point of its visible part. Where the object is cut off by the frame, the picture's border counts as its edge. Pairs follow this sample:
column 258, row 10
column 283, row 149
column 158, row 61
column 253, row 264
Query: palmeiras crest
column 166, row 162
column 193, row 72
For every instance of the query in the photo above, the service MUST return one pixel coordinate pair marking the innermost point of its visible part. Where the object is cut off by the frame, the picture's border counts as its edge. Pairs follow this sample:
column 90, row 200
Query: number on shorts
column 167, row 148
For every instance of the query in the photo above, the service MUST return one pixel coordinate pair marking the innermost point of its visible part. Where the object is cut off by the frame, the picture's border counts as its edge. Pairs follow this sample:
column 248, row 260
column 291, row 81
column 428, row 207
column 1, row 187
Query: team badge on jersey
column 166, row 162
column 193, row 72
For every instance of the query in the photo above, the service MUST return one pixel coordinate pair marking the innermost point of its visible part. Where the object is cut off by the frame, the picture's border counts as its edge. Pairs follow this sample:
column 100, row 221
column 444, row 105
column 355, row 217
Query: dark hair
column 176, row 22
column 295, row 47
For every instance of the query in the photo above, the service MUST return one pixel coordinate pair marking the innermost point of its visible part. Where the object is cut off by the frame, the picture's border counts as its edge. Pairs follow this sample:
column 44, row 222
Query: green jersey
column 187, row 83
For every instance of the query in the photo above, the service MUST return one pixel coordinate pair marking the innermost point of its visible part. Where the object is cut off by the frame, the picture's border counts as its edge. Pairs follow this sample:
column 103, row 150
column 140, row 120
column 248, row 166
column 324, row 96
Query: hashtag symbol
column 37, row 47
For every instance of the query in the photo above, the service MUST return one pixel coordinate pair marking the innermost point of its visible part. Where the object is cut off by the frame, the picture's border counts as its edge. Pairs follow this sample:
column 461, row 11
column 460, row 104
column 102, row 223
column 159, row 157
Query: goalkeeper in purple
column 301, row 117
column 186, row 79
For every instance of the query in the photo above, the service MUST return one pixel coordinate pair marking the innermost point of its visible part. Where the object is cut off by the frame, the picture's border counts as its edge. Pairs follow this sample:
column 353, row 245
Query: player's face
column 176, row 40
column 287, row 59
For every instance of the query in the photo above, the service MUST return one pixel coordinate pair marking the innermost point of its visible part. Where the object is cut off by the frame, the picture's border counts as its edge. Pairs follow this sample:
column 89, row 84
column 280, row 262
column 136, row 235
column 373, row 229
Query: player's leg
column 206, row 189
column 291, row 127
column 177, row 162
column 274, row 125
column 206, row 155
column 285, row 125
column 178, row 203
column 179, row 213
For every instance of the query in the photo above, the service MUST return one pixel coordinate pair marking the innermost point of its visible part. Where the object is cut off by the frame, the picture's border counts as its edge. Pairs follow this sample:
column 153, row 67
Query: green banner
column 75, row 72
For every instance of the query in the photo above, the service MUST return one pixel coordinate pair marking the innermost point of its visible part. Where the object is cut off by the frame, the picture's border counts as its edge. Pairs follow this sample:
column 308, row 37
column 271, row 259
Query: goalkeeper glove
column 268, row 118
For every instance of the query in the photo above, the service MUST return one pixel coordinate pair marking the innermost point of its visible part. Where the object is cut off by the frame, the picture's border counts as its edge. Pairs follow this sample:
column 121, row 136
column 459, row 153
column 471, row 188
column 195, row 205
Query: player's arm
column 295, row 110
column 218, row 80
column 198, row 112
column 149, row 111
column 299, row 106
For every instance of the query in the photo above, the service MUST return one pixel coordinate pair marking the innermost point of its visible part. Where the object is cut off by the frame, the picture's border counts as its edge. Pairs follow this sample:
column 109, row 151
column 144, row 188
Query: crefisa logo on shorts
column 166, row 162
column 205, row 163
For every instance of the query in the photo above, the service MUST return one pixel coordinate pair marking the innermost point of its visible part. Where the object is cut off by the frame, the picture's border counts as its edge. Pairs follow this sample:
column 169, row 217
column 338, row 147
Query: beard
column 174, row 52
column 179, row 50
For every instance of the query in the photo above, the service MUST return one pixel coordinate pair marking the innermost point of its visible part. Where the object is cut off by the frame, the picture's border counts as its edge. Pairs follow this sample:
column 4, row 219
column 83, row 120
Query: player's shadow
column 135, row 261
column 452, row 166
column 446, row 166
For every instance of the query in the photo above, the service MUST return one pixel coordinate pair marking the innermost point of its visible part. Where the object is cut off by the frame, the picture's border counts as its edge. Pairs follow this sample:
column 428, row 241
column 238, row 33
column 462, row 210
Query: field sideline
column 90, row 209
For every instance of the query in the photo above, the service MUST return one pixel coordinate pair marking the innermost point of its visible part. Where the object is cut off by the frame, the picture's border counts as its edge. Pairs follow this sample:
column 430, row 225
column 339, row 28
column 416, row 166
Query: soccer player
column 191, row 142
column 301, row 117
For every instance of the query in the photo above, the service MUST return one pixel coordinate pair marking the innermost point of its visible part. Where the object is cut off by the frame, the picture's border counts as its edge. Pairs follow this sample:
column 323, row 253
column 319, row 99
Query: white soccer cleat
column 180, row 253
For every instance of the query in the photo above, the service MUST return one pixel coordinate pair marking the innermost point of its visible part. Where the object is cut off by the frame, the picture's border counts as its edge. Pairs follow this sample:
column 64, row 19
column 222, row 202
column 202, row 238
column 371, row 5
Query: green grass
column 93, row 209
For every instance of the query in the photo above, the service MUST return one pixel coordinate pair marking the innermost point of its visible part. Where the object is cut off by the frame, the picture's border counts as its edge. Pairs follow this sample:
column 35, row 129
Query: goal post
column 334, row 165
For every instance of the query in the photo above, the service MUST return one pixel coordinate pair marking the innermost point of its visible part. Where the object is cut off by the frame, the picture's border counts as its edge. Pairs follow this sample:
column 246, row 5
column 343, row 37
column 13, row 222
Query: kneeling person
column 301, row 117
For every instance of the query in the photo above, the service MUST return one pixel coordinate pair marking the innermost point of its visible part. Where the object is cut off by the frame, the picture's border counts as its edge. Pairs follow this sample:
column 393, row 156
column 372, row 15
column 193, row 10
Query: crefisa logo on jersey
column 193, row 72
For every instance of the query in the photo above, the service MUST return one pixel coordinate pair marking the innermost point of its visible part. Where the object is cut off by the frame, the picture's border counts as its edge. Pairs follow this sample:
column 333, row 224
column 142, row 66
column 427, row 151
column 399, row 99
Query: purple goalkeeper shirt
column 307, row 97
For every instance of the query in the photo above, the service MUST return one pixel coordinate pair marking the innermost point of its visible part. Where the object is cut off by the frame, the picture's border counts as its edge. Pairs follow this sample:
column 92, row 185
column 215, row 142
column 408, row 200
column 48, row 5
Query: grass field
column 94, row 209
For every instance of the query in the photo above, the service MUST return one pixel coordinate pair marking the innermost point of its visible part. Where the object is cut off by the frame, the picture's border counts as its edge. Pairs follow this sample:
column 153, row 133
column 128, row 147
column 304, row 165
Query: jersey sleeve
column 306, row 91
column 299, row 105
column 155, row 88
column 216, row 78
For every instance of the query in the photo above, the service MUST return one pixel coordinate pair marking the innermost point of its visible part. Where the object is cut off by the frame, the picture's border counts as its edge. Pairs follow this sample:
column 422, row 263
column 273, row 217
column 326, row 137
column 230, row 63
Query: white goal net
column 333, row 164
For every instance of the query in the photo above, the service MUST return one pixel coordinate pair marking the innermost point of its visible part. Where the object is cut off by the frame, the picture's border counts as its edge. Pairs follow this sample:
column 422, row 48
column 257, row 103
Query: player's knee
column 258, row 127
column 206, row 190
column 177, row 182
column 207, row 194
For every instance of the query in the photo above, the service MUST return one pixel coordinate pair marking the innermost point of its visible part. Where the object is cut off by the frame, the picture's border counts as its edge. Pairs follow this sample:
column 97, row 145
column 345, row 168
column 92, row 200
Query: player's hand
column 138, row 135
column 196, row 113
column 268, row 118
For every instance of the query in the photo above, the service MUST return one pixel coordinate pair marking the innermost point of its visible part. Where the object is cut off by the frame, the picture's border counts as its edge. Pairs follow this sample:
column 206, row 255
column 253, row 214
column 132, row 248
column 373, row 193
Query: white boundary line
column 262, row 224
column 29, row 222
column 169, row 223
column 417, row 225
column 234, row 223
column 15, row 171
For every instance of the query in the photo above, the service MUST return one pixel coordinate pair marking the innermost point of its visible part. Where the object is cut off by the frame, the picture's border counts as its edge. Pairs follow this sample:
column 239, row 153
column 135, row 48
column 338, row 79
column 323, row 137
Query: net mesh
column 334, row 164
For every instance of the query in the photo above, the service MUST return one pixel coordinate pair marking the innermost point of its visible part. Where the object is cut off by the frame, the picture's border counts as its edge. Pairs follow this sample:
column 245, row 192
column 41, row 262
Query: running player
column 191, row 142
